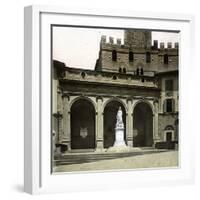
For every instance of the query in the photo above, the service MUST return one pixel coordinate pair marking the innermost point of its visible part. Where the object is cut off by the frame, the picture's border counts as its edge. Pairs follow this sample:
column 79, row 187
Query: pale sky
column 79, row 47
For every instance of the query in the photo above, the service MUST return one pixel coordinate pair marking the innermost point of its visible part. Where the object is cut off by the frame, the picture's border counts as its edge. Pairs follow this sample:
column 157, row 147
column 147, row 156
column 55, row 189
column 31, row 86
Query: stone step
column 75, row 158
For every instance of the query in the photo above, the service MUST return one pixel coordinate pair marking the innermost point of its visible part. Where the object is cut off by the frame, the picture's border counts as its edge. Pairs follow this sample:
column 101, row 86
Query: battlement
column 117, row 42
column 111, row 40
column 133, row 57
column 163, row 45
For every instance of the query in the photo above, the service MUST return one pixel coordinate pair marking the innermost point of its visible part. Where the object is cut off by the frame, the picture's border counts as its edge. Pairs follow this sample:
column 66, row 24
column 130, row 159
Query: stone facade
column 138, row 76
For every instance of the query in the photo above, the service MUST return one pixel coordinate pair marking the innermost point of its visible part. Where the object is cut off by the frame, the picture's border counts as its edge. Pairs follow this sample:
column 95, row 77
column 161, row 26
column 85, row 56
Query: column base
column 66, row 145
column 130, row 143
column 99, row 144
column 156, row 140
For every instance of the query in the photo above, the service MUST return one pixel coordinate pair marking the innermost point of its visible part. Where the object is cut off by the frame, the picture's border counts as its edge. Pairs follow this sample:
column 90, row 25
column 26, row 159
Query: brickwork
column 138, row 42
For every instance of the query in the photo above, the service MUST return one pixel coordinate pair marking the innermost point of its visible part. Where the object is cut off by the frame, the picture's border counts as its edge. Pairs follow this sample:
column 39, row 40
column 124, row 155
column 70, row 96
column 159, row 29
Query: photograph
column 114, row 99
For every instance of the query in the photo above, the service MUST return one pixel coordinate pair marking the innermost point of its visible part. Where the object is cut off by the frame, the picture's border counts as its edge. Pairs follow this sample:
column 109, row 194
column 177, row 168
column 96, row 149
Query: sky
column 79, row 47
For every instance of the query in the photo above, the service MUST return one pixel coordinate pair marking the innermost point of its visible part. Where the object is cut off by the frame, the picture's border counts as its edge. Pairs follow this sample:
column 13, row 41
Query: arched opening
column 131, row 56
column 141, row 72
column 142, row 125
column 82, row 125
column 124, row 70
column 110, row 114
column 148, row 57
column 166, row 59
column 114, row 55
column 169, row 133
column 137, row 72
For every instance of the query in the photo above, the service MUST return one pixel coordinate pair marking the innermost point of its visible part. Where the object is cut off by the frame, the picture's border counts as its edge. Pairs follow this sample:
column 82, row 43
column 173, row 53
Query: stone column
column 129, row 124
column 156, row 137
column 59, row 116
column 66, row 123
column 99, row 123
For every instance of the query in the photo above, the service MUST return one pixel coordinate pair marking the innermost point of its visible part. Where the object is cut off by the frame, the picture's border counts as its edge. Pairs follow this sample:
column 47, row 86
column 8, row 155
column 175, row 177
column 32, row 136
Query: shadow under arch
column 83, row 98
column 145, row 102
column 143, row 124
column 110, row 112
column 115, row 99
column 82, row 124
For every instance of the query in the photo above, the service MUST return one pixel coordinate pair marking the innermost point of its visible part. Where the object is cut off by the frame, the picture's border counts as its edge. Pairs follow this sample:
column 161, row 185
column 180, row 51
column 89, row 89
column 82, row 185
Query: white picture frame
column 37, row 150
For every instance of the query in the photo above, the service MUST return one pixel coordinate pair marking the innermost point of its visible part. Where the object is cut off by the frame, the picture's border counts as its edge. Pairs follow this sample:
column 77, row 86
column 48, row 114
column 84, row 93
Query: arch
column 166, row 59
column 83, row 97
column 143, row 124
column 148, row 57
column 131, row 56
column 83, row 115
column 141, row 72
column 83, row 74
column 146, row 102
column 114, row 77
column 114, row 99
column 110, row 110
column 114, row 55
column 138, row 71
column 124, row 70
column 169, row 133
column 169, row 127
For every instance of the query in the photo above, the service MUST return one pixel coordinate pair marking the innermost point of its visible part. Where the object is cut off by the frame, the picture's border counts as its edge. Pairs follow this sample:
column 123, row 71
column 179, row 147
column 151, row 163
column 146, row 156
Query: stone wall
column 139, row 43
column 165, row 120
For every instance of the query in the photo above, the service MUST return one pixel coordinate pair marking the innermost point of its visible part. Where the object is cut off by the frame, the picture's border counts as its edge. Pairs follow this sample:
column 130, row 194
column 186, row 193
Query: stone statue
column 119, row 116
column 119, row 129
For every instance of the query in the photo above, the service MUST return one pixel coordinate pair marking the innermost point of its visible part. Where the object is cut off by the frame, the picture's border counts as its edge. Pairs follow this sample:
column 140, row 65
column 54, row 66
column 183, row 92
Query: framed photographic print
column 106, row 103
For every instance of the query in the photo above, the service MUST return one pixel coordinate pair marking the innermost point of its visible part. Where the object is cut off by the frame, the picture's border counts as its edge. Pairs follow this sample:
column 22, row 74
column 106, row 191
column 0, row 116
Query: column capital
column 66, row 95
column 58, row 115
column 59, row 89
column 155, row 100
column 99, row 97
column 129, row 99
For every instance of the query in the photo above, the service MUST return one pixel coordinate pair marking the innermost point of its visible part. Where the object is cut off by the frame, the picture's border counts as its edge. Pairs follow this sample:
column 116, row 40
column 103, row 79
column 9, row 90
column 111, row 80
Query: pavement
column 92, row 160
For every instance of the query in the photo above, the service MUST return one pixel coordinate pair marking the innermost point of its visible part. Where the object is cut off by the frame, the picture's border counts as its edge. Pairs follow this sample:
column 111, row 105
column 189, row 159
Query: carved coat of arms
column 83, row 132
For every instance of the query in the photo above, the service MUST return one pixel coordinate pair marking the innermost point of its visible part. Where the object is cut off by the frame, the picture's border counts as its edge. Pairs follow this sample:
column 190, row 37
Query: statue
column 119, row 116
column 119, row 123
column 119, row 129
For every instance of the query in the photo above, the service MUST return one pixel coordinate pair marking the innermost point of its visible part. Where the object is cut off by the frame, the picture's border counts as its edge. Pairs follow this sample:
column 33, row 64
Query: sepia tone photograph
column 114, row 99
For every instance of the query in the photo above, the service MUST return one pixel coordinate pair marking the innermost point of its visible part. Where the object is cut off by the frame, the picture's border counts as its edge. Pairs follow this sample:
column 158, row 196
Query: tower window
column 120, row 70
column 148, row 57
column 124, row 70
column 114, row 55
column 131, row 56
column 114, row 78
column 137, row 71
column 141, row 71
column 83, row 74
column 166, row 59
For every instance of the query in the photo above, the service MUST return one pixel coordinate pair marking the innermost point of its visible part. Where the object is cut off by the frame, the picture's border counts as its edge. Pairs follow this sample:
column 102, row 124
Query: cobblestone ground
column 152, row 160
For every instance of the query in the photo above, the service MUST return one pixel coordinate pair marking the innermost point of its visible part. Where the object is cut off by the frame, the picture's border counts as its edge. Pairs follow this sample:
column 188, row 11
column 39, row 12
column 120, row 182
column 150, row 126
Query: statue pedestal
column 119, row 137
column 119, row 144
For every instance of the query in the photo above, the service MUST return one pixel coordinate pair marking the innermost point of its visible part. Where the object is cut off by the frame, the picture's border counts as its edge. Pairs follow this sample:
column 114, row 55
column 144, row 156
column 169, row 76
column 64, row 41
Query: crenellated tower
column 136, row 55
column 137, row 39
